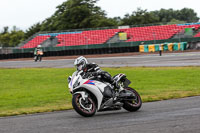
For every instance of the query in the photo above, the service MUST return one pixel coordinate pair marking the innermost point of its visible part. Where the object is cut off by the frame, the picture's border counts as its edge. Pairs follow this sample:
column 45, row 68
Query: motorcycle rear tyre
column 130, row 106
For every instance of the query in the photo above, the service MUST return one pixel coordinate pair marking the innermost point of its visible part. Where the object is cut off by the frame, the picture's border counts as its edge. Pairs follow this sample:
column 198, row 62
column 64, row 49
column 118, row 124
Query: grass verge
column 32, row 90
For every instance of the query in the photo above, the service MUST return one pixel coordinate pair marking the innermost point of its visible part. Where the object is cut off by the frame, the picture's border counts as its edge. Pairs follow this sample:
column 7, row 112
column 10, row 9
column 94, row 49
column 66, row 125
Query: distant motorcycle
column 38, row 56
column 90, row 94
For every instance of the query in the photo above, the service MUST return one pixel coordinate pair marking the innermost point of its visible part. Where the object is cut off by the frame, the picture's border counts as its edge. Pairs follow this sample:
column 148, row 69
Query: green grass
column 31, row 90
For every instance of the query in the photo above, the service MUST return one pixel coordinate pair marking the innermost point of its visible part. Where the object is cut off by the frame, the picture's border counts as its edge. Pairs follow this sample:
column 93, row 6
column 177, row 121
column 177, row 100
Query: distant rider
column 89, row 69
column 38, row 52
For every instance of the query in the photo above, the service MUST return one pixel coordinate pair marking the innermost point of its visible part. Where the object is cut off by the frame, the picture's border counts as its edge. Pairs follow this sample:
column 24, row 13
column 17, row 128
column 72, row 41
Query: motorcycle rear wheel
column 135, row 104
column 82, row 107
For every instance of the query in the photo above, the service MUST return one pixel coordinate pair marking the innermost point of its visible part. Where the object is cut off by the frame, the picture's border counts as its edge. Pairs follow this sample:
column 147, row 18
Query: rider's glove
column 96, row 74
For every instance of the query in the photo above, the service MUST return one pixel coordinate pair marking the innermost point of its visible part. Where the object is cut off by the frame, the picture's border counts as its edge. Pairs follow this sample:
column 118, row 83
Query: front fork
column 84, row 95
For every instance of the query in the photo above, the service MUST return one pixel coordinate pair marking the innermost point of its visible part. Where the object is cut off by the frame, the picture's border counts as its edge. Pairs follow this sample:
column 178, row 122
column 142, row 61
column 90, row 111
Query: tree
column 32, row 30
column 4, row 39
column 175, row 21
column 16, row 37
column 186, row 14
column 139, row 17
column 5, row 30
column 11, row 38
column 76, row 14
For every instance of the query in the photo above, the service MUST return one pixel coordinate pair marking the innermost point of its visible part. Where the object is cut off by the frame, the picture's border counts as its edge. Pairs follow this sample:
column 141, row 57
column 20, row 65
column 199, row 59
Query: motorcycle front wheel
column 135, row 104
column 83, row 107
column 35, row 58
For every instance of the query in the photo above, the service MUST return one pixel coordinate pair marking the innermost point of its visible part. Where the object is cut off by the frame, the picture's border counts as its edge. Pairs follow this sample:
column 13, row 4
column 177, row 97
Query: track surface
column 168, row 59
column 171, row 116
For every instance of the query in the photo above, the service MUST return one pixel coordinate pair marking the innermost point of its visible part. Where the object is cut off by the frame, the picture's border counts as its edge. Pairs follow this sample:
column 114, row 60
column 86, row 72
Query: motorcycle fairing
column 94, row 90
column 90, row 82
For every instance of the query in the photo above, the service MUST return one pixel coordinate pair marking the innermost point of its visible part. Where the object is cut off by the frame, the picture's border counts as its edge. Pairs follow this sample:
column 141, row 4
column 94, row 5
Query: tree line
column 77, row 14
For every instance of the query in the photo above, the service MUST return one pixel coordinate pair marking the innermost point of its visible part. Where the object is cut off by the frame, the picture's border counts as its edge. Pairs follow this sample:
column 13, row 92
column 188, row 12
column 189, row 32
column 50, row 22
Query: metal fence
column 6, row 50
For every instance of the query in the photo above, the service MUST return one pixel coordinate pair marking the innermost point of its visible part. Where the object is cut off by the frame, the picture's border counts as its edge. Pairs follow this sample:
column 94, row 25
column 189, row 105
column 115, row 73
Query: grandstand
column 197, row 35
column 86, row 37
column 106, row 40
column 35, row 41
column 134, row 34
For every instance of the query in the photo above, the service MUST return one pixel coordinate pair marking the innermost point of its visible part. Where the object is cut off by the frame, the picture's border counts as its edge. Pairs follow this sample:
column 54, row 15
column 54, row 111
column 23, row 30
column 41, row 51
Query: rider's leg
column 108, row 78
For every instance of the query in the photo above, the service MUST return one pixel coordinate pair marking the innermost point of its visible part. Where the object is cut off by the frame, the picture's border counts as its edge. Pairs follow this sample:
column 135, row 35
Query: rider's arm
column 93, row 68
column 35, row 51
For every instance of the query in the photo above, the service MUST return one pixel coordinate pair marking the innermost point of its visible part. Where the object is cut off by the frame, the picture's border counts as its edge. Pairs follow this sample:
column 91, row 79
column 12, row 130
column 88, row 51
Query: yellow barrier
column 151, row 48
column 122, row 36
column 162, row 46
column 170, row 46
column 141, row 48
column 179, row 46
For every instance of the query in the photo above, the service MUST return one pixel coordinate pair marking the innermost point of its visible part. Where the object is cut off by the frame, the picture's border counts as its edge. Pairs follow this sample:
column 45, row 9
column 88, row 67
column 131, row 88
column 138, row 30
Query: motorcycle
column 90, row 94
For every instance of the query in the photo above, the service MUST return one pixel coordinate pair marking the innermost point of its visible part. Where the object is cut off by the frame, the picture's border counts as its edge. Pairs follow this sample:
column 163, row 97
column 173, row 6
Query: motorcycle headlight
column 76, row 84
column 69, row 79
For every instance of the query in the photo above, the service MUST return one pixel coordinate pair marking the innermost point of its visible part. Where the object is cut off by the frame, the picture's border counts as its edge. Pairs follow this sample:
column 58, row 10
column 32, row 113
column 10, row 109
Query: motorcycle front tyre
column 35, row 58
column 40, row 57
column 79, row 107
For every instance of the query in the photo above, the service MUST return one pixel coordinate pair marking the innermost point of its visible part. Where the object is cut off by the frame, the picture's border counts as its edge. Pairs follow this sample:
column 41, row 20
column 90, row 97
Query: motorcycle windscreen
column 127, row 83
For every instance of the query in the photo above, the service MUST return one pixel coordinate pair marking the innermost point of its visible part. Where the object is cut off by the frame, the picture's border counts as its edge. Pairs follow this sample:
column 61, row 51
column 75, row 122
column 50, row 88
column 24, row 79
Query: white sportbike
column 91, row 94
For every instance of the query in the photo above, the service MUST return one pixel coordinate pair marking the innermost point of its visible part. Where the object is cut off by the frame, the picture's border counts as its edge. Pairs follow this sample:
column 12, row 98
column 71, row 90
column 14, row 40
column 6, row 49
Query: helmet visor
column 80, row 66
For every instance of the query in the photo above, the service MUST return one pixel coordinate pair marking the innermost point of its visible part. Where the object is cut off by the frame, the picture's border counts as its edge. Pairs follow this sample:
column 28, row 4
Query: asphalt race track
column 167, row 59
column 171, row 116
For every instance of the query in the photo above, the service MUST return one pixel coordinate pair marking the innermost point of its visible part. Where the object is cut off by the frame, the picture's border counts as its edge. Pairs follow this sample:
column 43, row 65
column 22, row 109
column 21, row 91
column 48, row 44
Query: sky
column 25, row 13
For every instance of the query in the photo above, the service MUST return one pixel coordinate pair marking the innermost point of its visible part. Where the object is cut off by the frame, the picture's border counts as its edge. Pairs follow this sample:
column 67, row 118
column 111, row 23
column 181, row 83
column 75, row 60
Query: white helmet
column 80, row 63
column 39, row 46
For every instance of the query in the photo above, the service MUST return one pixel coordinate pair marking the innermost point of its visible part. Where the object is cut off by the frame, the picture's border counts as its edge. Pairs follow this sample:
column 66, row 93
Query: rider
column 38, row 52
column 81, row 63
